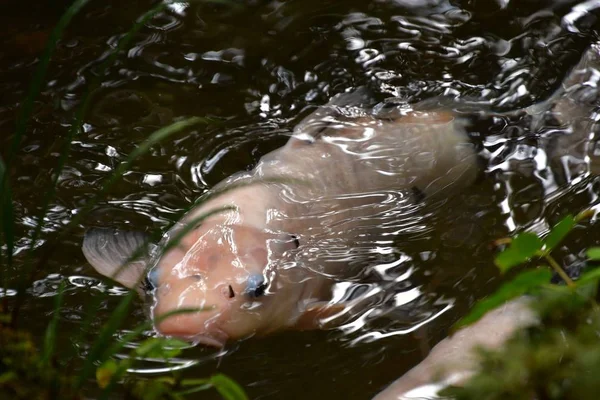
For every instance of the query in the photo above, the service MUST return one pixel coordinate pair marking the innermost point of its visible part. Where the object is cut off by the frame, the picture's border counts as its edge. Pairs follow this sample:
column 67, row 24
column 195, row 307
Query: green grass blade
column 51, row 329
column 102, row 349
column 199, row 385
column 104, row 338
column 144, row 147
column 6, row 226
column 559, row 232
column 228, row 388
column 118, row 345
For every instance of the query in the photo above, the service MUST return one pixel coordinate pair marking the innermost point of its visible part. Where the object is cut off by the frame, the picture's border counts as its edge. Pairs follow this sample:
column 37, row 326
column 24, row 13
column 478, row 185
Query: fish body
column 252, row 267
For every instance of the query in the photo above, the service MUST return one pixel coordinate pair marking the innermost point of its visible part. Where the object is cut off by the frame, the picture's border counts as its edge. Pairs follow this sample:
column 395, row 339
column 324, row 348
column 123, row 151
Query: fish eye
column 151, row 281
column 256, row 286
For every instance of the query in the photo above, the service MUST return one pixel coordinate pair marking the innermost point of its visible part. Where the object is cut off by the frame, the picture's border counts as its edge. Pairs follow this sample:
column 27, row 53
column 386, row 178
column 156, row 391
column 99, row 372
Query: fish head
column 222, row 271
column 211, row 284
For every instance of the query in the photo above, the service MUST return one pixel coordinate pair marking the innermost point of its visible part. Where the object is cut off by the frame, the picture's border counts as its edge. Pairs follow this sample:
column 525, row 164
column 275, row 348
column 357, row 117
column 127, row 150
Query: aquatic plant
column 559, row 358
column 37, row 370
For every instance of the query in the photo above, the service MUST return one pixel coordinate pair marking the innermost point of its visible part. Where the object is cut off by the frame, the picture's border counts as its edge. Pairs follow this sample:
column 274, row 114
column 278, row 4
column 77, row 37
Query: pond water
column 258, row 67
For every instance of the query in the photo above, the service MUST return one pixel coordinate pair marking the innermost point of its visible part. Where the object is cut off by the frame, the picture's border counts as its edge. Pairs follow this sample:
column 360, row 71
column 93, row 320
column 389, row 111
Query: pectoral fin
column 107, row 250
column 318, row 315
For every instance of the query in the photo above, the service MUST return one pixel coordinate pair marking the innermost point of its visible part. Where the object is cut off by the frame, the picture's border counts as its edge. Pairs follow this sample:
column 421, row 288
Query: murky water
column 258, row 67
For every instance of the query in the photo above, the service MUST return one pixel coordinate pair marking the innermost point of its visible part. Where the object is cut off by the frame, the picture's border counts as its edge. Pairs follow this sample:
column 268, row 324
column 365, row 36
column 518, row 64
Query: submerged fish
column 253, row 268
column 453, row 360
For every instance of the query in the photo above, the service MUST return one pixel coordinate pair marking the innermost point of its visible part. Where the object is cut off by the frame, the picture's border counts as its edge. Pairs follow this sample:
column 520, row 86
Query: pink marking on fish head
column 219, row 268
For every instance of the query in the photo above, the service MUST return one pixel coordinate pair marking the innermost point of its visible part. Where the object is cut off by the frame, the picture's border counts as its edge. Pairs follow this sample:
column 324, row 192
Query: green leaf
column 524, row 246
column 558, row 232
column 593, row 253
column 589, row 276
column 228, row 388
column 6, row 225
column 521, row 284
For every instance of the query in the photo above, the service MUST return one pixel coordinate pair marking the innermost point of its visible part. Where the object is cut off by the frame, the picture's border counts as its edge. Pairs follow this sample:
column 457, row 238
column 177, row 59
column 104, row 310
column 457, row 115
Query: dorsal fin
column 108, row 249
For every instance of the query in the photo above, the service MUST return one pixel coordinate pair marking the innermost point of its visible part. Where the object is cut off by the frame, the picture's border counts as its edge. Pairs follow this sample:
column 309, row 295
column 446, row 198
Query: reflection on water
column 257, row 69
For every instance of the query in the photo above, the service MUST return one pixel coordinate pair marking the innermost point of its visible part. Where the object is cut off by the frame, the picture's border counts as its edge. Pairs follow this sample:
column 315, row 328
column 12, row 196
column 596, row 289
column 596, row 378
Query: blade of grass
column 101, row 350
column 51, row 329
column 118, row 345
column 7, row 234
column 228, row 388
column 199, row 385
column 558, row 233
column 105, row 335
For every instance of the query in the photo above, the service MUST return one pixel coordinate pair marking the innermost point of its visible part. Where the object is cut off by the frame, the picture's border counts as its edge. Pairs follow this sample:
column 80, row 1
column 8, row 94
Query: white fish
column 254, row 266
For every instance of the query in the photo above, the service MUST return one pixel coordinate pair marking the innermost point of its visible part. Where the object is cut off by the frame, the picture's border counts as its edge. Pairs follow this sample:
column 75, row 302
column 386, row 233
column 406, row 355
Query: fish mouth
column 213, row 340
column 217, row 338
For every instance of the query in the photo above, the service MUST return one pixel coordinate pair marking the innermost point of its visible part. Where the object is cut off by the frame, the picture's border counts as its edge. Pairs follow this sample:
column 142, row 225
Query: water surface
column 258, row 67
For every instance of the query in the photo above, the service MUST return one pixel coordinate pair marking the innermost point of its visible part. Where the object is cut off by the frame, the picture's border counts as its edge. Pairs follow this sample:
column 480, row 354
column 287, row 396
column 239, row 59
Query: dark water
column 258, row 67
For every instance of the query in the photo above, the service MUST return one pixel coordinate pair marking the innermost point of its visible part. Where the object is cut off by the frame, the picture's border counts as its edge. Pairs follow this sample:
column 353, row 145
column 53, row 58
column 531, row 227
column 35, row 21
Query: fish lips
column 217, row 338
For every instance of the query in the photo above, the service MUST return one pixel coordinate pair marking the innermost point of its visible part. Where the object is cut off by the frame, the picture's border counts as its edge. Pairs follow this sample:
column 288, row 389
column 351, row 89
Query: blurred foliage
column 556, row 359
column 23, row 373
column 559, row 358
